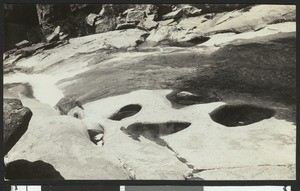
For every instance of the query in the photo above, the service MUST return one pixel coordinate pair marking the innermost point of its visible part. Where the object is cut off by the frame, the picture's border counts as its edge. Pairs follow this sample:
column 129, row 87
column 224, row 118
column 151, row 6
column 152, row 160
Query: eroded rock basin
column 144, row 135
column 126, row 111
column 239, row 115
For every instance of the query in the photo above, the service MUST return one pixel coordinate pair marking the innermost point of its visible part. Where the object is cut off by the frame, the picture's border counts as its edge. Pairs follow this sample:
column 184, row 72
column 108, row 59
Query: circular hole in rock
column 95, row 135
column 239, row 115
column 188, row 43
column 126, row 111
column 154, row 131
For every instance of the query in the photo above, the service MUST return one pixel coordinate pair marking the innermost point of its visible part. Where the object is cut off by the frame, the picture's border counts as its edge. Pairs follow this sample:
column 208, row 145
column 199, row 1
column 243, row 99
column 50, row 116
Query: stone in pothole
column 180, row 99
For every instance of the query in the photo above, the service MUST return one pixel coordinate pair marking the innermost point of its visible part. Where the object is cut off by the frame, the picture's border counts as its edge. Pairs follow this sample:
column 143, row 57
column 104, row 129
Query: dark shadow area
column 240, row 115
column 164, row 188
column 219, row 8
column 21, row 22
column 81, row 187
column 93, row 133
column 180, row 100
column 261, row 71
column 24, row 170
column 198, row 40
column 153, row 132
column 126, row 111
column 189, row 43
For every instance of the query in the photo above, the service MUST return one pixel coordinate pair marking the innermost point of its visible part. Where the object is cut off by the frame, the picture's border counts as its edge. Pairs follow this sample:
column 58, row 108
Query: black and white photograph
column 150, row 92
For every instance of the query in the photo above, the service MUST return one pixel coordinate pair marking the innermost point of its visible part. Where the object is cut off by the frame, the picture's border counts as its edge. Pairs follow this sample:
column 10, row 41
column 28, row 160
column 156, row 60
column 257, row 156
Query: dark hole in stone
column 179, row 99
column 126, row 111
column 198, row 40
column 93, row 134
column 239, row 115
column 153, row 132
column 23, row 169
column 76, row 115
column 187, row 43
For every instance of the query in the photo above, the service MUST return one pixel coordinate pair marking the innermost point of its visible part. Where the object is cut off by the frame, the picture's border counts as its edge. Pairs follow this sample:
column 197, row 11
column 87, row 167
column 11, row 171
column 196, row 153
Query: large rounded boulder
column 16, row 118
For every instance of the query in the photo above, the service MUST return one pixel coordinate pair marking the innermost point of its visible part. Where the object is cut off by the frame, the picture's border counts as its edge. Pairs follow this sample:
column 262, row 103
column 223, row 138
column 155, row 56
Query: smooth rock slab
column 205, row 144
column 63, row 142
column 250, row 173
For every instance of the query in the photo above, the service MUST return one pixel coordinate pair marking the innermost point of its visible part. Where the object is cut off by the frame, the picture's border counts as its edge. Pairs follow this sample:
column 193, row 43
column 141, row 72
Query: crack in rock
column 129, row 170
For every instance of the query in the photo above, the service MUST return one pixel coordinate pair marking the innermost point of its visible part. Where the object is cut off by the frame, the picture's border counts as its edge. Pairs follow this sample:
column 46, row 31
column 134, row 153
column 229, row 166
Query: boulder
column 184, row 98
column 125, row 26
column 173, row 15
column 45, row 13
column 63, row 37
column 182, row 11
column 127, row 11
column 105, row 24
column 90, row 19
column 135, row 16
column 163, row 33
column 16, row 118
column 191, row 11
column 5, row 55
column 66, row 104
column 149, row 9
column 257, row 16
column 27, row 51
column 116, row 38
column 77, row 112
column 22, row 44
column 54, row 36
column 147, row 24
column 107, row 10
column 169, row 22
column 62, row 142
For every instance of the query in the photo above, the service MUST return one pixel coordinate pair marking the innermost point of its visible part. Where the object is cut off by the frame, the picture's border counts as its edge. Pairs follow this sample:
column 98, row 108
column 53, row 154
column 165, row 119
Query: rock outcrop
column 68, row 143
column 66, row 104
column 256, row 18
column 16, row 118
column 135, row 16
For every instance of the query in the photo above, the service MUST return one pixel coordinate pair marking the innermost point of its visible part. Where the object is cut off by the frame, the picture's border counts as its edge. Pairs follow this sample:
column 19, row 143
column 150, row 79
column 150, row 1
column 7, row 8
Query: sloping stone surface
column 63, row 141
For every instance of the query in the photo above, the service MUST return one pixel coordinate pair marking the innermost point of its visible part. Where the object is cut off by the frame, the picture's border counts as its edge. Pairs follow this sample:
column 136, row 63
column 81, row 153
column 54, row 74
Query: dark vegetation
column 23, row 169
